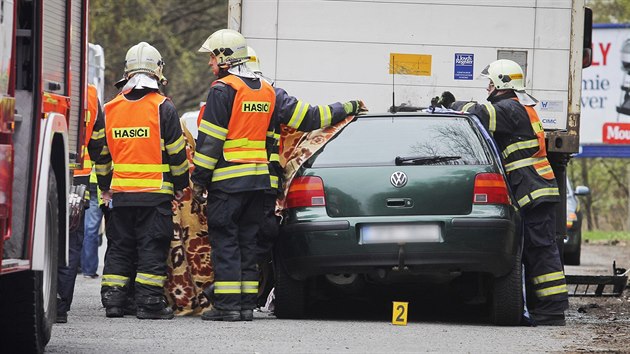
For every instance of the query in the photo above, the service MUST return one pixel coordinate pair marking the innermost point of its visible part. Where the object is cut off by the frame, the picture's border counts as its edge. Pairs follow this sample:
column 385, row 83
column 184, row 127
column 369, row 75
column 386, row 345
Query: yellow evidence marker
column 399, row 313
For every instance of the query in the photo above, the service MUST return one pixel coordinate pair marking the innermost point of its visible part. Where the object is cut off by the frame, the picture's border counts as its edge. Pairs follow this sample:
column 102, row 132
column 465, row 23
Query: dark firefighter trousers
column 233, row 222
column 67, row 275
column 138, row 242
column 546, row 285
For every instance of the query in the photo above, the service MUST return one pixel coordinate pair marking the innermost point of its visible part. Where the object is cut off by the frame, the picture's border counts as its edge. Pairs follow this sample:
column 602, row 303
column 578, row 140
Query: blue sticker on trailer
column 464, row 64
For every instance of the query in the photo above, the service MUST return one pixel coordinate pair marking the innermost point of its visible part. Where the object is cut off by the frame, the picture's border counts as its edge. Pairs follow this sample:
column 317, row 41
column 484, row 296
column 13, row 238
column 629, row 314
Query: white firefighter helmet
column 228, row 46
column 253, row 64
column 505, row 75
column 144, row 58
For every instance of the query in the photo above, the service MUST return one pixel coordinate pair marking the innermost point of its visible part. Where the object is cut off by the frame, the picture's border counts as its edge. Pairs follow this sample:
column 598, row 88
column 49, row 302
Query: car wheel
column 29, row 310
column 507, row 297
column 290, row 294
column 573, row 258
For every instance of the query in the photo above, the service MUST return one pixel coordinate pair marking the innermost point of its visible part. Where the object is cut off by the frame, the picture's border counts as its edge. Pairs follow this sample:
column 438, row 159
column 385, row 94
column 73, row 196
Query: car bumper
column 313, row 248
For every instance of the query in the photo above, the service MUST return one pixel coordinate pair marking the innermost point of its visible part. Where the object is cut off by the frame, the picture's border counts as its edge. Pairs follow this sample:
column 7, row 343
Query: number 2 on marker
column 399, row 313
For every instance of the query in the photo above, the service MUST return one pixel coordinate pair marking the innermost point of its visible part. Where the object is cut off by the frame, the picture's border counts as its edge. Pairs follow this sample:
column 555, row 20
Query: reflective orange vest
column 251, row 114
column 90, row 119
column 543, row 167
column 132, row 129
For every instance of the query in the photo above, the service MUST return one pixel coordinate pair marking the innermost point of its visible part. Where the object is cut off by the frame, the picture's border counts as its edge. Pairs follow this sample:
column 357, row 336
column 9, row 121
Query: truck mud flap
column 598, row 285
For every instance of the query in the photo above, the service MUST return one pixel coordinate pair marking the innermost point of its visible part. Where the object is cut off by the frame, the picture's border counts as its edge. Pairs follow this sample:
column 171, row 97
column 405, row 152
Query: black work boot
column 166, row 313
column 114, row 311
column 62, row 318
column 153, row 308
column 549, row 319
column 221, row 315
column 247, row 315
column 130, row 309
column 114, row 299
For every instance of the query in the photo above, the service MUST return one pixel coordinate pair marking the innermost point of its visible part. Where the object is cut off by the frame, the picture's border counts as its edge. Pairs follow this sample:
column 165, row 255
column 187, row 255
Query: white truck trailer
column 393, row 52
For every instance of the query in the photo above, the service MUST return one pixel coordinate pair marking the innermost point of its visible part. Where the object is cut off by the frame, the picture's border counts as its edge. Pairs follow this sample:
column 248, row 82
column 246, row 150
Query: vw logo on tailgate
column 398, row 179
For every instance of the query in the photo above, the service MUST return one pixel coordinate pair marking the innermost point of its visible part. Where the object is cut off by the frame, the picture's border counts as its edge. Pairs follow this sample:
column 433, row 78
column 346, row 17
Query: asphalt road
column 362, row 327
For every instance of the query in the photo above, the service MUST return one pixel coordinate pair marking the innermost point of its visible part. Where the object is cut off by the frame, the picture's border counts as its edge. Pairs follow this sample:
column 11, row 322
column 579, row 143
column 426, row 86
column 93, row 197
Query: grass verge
column 604, row 236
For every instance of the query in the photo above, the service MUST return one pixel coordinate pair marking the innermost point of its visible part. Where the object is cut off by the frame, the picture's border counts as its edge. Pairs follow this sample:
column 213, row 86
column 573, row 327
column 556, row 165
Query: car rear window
column 372, row 141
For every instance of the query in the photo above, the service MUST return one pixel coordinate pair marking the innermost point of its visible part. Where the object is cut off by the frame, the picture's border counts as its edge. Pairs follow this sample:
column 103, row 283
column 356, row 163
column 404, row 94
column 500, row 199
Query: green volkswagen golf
column 397, row 198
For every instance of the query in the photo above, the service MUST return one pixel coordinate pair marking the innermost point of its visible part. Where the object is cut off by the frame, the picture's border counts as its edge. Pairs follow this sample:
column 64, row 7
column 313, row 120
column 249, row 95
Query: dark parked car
column 395, row 198
column 573, row 241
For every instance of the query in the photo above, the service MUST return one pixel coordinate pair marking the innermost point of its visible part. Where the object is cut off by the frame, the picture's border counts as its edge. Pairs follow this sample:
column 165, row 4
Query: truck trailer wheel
column 507, row 297
column 30, row 308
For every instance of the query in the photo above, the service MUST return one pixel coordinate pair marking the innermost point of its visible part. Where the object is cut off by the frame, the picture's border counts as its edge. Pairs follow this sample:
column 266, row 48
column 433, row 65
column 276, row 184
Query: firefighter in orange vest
column 95, row 139
column 143, row 166
column 511, row 119
column 231, row 162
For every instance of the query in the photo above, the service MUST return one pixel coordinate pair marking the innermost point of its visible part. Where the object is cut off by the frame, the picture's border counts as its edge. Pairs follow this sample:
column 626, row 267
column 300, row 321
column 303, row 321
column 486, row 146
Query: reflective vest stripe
column 492, row 113
column 521, row 145
column 548, row 277
column 179, row 170
column 105, row 151
column 204, row 161
column 325, row 115
column 143, row 185
column 301, row 108
column 128, row 167
column 273, row 181
column 241, row 170
column 177, row 146
column 274, row 157
column 249, row 287
column 248, row 156
column 227, row 287
column 213, row 130
column 103, row 170
column 87, row 165
column 524, row 163
column 245, row 143
column 114, row 280
column 467, row 106
column 150, row 279
column 554, row 290
column 542, row 192
column 545, row 170
column 98, row 134
column 245, row 150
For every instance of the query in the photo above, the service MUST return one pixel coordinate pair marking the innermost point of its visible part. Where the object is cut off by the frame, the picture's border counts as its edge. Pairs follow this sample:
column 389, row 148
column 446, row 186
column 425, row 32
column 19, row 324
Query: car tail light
column 306, row 191
column 490, row 188
column 571, row 218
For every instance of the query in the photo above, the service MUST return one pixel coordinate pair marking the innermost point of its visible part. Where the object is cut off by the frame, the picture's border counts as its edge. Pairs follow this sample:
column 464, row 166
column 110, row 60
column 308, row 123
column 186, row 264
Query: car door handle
column 399, row 202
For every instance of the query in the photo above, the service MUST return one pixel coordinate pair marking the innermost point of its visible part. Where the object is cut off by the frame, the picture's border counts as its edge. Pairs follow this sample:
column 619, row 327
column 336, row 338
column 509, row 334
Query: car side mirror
column 582, row 190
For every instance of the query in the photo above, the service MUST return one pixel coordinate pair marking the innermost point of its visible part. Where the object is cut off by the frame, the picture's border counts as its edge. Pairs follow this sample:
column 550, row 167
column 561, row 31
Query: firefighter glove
column 199, row 193
column 354, row 107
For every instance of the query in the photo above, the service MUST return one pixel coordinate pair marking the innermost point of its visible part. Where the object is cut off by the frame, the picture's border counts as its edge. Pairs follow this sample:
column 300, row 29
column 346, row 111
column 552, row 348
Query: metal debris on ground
column 598, row 285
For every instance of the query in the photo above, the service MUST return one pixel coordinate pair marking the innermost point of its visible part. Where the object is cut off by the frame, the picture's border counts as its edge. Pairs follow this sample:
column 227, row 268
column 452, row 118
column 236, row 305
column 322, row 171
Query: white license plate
column 400, row 234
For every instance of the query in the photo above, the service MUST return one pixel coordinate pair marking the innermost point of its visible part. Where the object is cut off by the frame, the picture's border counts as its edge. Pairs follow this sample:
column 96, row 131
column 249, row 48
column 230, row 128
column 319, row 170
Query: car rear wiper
column 423, row 160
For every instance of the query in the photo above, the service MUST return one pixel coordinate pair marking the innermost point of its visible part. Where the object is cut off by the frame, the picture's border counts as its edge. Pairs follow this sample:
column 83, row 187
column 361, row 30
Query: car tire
column 507, row 297
column 290, row 294
column 30, row 309
column 573, row 258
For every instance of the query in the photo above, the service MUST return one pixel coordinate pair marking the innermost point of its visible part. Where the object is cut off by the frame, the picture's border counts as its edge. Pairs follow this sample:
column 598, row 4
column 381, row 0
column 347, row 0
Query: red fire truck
column 43, row 61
